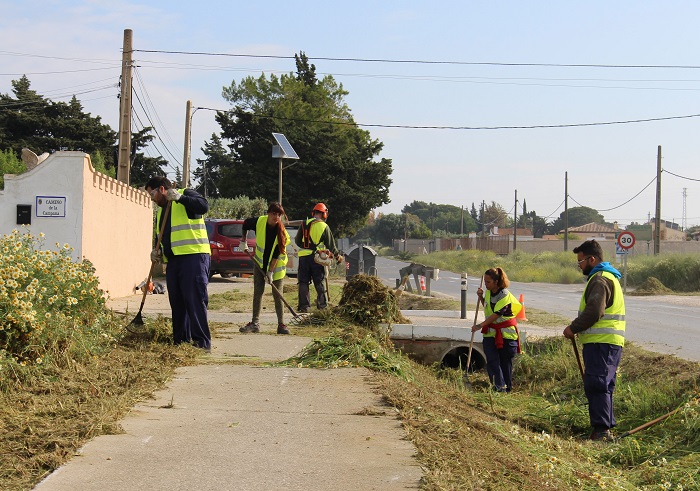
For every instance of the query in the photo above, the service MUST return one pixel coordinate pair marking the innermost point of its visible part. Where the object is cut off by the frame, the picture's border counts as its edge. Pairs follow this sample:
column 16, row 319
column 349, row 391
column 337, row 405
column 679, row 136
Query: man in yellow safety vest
column 600, row 326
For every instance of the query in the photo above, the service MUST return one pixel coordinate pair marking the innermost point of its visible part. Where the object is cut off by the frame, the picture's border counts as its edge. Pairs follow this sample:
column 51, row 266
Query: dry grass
column 467, row 437
column 45, row 421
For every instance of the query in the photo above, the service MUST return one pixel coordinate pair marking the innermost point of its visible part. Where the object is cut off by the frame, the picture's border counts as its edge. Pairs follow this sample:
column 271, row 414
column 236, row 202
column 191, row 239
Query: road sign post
column 625, row 242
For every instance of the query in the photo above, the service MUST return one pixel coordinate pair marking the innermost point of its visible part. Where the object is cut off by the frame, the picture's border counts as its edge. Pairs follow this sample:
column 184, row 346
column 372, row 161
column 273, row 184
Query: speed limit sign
column 625, row 240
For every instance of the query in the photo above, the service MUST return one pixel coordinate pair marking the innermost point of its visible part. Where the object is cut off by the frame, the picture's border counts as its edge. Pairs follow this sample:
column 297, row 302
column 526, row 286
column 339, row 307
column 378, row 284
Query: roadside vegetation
column 68, row 369
column 72, row 375
column 677, row 272
column 470, row 437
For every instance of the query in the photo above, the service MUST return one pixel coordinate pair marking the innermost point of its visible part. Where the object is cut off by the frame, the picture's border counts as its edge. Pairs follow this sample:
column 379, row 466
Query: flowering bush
column 46, row 298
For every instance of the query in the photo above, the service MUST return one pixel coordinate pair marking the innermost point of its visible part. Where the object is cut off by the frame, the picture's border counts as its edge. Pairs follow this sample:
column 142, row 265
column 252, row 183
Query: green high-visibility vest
column 281, row 266
column 610, row 328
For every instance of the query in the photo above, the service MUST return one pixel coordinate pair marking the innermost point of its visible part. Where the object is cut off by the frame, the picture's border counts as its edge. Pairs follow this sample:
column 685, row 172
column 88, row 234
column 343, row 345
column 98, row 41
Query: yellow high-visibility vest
column 509, row 332
column 186, row 236
column 610, row 328
column 281, row 266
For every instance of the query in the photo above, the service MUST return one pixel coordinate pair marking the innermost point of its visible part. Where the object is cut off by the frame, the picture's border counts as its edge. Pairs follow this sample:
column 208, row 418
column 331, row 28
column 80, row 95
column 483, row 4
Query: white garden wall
column 104, row 220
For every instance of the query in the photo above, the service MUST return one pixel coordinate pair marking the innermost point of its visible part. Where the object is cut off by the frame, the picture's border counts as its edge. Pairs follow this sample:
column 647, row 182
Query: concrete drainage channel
column 440, row 336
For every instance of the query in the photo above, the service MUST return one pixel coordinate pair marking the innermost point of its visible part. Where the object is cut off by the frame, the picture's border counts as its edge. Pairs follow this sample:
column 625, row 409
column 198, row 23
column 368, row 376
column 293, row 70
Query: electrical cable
column 682, row 177
column 420, row 62
column 539, row 126
column 621, row 205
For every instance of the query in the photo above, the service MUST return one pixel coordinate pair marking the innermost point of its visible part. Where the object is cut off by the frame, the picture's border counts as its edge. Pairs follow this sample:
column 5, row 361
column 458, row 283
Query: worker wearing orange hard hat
column 316, row 247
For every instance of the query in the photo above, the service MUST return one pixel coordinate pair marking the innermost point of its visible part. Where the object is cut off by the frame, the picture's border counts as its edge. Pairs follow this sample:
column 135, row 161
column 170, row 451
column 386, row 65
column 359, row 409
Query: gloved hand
column 268, row 277
column 245, row 246
column 156, row 256
column 338, row 259
column 173, row 195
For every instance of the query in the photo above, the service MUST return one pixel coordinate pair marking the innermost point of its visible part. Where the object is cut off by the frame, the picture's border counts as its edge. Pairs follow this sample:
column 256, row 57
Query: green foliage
column 545, row 267
column 98, row 162
column 338, row 164
column 142, row 167
column 29, row 120
column 367, row 302
column 10, row 164
column 437, row 218
column 240, row 207
column 392, row 226
column 46, row 300
column 649, row 385
column 577, row 216
column 679, row 272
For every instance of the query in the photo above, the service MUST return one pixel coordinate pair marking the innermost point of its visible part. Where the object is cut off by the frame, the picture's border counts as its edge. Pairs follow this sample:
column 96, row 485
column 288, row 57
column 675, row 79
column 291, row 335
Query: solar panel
column 287, row 150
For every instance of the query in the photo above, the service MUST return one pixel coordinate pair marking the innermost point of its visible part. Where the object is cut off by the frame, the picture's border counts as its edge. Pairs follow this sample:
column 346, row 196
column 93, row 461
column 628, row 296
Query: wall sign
column 51, row 206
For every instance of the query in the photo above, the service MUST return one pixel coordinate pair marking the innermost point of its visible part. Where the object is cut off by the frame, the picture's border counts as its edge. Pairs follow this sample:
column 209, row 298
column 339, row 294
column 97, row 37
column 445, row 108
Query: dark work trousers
column 310, row 270
column 601, row 361
column 499, row 362
column 187, row 277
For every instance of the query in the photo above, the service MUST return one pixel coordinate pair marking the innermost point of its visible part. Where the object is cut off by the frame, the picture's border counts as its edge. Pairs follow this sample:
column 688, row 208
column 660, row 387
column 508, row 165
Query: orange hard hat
column 321, row 208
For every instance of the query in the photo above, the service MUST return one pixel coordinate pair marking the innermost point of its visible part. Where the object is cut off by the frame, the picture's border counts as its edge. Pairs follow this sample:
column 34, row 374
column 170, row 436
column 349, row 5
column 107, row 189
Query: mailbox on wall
column 24, row 214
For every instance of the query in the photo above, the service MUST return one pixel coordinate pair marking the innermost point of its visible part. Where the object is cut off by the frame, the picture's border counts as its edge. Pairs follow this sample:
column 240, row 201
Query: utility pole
column 188, row 143
column 515, row 221
column 566, row 211
column 657, row 220
column 461, row 224
column 684, row 220
column 124, row 158
column 483, row 225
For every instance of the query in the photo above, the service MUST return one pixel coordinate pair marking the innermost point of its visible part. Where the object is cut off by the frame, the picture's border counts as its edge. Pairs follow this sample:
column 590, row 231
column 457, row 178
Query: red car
column 227, row 256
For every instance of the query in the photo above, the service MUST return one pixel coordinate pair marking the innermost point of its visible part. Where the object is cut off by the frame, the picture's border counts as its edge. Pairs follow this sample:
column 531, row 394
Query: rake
column 136, row 325
column 296, row 318
column 471, row 341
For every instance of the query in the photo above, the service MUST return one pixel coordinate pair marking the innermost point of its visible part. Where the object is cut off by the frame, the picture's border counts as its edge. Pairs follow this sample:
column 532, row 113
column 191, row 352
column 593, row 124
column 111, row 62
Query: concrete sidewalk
column 220, row 426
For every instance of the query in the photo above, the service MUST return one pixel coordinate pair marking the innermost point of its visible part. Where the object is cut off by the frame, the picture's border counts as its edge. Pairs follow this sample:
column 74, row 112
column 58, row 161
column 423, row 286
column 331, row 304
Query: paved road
column 666, row 324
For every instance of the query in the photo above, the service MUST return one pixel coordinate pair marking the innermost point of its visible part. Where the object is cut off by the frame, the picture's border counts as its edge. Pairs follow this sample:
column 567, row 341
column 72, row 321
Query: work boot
column 282, row 329
column 602, row 435
column 250, row 327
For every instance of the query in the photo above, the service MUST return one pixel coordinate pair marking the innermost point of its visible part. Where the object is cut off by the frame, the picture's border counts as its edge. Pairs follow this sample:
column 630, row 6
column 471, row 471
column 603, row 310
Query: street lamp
column 283, row 150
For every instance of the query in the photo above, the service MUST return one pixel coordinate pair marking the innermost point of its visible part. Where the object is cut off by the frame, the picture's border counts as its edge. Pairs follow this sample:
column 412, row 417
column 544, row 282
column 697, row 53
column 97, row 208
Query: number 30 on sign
column 625, row 240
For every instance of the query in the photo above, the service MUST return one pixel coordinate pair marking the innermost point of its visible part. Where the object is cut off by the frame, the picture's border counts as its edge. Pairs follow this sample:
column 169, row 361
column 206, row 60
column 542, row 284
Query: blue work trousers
column 187, row 277
column 601, row 361
column 499, row 362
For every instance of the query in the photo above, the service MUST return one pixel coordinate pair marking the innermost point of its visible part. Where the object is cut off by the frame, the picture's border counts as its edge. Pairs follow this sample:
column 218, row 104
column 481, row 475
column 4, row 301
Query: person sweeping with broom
column 185, row 250
column 600, row 326
column 501, row 340
column 271, row 262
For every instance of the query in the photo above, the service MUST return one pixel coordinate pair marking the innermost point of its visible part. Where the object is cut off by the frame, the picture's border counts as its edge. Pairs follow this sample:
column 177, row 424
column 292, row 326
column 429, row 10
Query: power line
column 155, row 129
column 420, row 62
column 443, row 78
column 422, row 127
column 682, row 177
column 58, row 71
column 621, row 205
column 153, row 108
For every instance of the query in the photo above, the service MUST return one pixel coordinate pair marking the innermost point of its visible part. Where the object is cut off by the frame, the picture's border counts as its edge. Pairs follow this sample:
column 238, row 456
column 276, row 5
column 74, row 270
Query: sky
column 571, row 76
